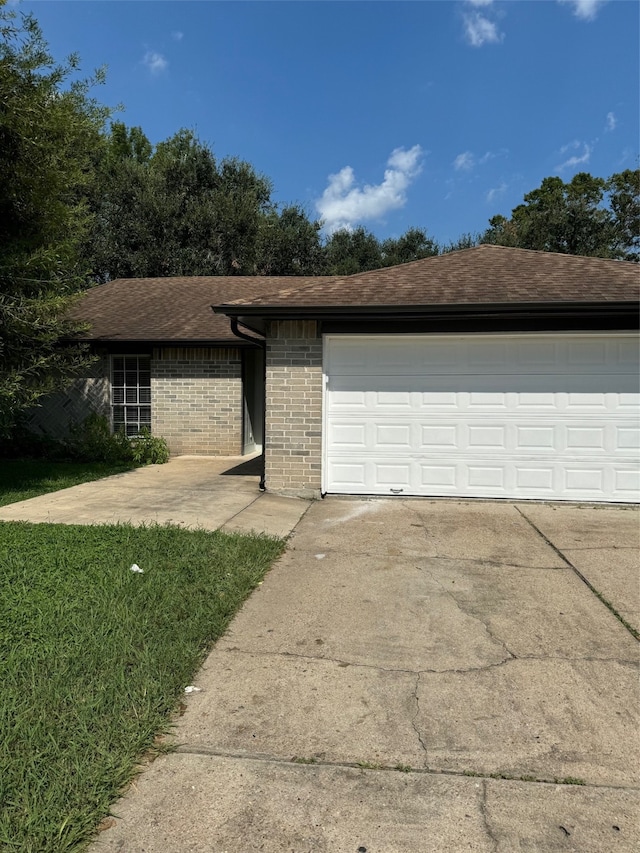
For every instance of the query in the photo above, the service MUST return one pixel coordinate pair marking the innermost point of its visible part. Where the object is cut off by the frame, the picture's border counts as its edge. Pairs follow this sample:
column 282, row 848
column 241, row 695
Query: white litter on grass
column 136, row 568
column 192, row 689
column 320, row 556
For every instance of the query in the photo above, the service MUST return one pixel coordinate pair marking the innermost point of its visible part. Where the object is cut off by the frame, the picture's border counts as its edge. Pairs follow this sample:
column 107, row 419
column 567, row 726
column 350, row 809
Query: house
column 489, row 372
column 165, row 361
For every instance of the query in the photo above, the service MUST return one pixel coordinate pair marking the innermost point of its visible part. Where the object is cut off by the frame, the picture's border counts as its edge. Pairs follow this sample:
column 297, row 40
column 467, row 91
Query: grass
column 26, row 478
column 94, row 658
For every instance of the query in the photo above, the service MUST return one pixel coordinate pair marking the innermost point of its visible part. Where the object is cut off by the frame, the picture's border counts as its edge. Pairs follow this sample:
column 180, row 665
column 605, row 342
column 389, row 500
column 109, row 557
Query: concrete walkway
column 191, row 491
column 415, row 676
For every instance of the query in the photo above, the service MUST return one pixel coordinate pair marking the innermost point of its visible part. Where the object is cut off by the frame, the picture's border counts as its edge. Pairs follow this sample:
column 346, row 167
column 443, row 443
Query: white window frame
column 130, row 400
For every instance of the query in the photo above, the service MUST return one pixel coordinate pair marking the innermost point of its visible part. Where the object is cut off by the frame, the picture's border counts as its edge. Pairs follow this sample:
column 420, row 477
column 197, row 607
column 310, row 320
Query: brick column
column 293, row 447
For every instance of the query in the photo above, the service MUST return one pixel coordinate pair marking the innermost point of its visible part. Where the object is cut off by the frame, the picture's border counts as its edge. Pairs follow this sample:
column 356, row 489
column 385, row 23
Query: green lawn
column 94, row 658
column 25, row 478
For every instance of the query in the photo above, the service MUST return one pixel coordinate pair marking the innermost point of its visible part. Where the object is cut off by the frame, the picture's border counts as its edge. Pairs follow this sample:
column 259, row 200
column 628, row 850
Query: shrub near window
column 148, row 449
column 93, row 441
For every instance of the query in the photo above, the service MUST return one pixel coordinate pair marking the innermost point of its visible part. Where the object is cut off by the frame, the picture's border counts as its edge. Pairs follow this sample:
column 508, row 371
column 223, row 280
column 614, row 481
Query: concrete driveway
column 415, row 676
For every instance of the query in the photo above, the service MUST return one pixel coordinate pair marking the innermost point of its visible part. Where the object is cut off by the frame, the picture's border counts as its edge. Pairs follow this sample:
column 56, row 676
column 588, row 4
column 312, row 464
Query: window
column 131, row 393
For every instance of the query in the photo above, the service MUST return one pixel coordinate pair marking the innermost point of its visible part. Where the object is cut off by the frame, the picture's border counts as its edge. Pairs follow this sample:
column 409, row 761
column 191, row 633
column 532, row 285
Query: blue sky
column 383, row 114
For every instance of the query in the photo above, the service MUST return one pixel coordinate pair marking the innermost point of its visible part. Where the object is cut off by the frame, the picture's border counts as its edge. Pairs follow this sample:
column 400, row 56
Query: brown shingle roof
column 179, row 309
column 169, row 309
column 481, row 275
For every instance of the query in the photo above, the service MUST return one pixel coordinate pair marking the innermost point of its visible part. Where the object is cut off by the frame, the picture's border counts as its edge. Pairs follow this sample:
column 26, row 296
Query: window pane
column 131, row 393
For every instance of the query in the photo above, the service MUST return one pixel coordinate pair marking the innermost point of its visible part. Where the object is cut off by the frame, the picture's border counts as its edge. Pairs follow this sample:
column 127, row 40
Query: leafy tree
column 624, row 199
column 174, row 210
column 49, row 136
column 289, row 243
column 465, row 241
column 586, row 216
column 349, row 252
column 413, row 245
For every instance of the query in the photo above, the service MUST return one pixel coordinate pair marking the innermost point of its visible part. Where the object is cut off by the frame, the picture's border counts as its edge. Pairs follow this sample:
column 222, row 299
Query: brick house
column 167, row 362
column 490, row 372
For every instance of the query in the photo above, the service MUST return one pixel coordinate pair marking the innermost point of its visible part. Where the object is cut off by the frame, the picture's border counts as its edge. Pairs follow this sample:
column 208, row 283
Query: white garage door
column 543, row 416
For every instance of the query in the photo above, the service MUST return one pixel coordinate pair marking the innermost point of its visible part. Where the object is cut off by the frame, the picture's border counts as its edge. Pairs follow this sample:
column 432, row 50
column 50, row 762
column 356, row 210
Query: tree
column 174, row 210
column 289, row 243
column 413, row 245
column 586, row 216
column 349, row 252
column 49, row 136
column 624, row 199
column 465, row 241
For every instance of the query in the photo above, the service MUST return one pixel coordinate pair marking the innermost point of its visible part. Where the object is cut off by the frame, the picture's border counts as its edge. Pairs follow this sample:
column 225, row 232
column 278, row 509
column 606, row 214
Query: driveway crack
column 345, row 663
column 485, row 816
column 414, row 721
column 634, row 633
column 497, row 640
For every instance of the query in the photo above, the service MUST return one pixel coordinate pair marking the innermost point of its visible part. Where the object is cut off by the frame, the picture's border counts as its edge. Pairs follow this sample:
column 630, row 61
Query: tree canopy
column 173, row 209
column 49, row 138
column 585, row 216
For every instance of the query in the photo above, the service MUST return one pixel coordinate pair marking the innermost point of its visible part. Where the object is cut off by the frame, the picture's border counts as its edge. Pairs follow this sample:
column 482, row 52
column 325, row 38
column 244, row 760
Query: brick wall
column 57, row 412
column 196, row 400
column 294, row 408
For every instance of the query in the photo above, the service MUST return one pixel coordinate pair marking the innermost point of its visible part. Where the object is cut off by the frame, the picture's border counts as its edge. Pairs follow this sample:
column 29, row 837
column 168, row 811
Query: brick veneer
column 196, row 400
column 293, row 456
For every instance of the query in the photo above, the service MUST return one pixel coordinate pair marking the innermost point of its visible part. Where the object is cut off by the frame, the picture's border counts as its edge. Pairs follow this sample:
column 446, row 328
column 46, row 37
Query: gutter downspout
column 263, row 345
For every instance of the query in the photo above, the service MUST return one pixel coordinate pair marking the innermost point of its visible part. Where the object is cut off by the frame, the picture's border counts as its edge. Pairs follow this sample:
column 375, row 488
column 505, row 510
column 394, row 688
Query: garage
column 527, row 416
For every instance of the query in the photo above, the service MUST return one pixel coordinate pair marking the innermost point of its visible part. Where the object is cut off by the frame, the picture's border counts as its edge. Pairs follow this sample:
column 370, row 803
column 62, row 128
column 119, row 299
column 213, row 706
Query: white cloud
column 585, row 10
column 495, row 192
column 343, row 204
column 612, row 122
column 176, row 35
column 480, row 2
column 468, row 160
column 480, row 30
column 465, row 161
column 576, row 159
column 155, row 62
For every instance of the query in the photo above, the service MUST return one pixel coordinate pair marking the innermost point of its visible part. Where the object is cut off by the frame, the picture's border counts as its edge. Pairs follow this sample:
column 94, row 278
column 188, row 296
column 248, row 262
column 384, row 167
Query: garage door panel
column 518, row 435
column 393, row 435
column 571, row 433
column 628, row 437
column 627, row 481
column 438, row 436
column 582, row 393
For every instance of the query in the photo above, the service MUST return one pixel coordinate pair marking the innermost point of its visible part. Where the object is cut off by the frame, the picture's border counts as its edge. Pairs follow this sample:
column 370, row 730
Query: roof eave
column 413, row 312
column 215, row 343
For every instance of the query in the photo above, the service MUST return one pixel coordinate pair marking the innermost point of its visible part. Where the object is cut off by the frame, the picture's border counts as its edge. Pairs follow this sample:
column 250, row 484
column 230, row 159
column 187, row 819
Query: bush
column 93, row 441
column 148, row 449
